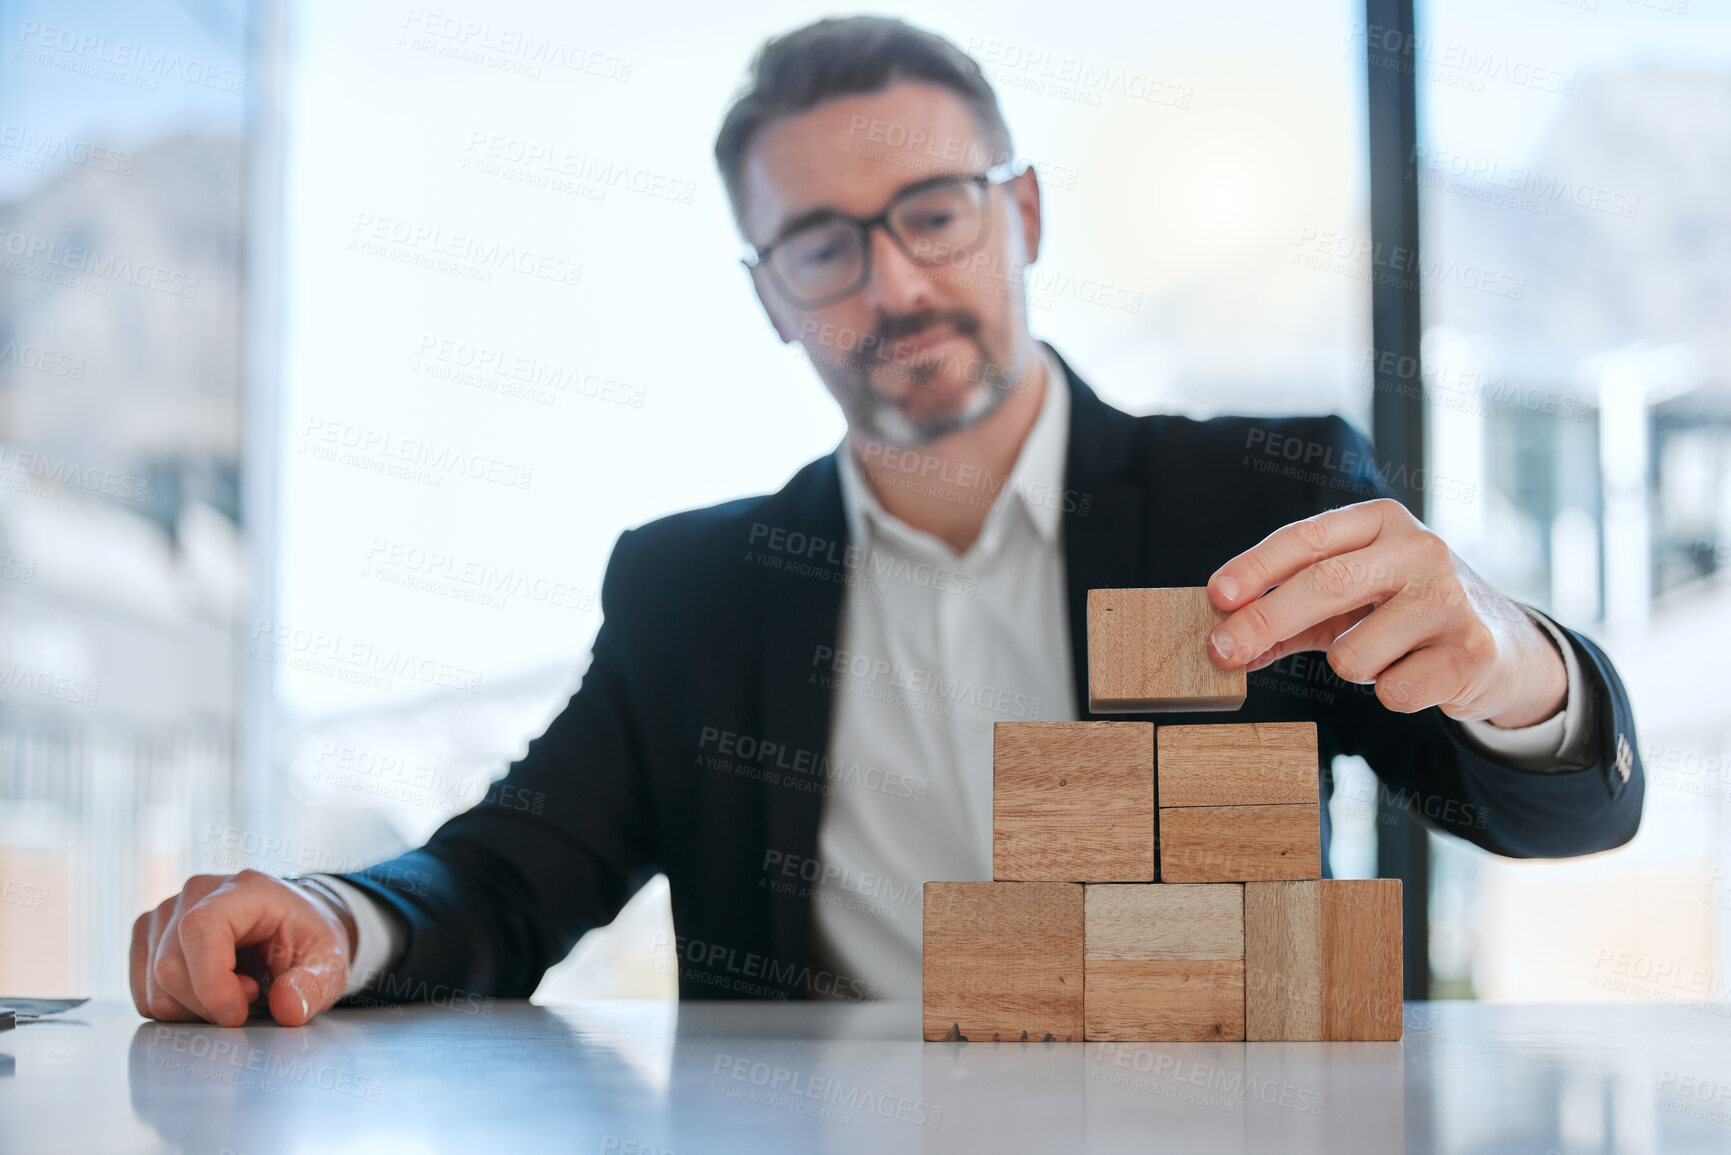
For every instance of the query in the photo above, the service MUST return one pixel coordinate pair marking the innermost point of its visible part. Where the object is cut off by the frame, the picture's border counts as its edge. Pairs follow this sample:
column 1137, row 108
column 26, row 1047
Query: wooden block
column 1137, row 921
column 1073, row 801
column 1002, row 961
column 1164, row 963
column 1165, row 1000
column 1361, row 951
column 1148, row 653
column 1240, row 843
column 1237, row 764
column 1283, row 961
column 1322, row 960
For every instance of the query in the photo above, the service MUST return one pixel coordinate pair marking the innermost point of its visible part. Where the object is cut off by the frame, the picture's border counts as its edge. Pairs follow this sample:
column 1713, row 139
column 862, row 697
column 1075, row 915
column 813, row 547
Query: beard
column 892, row 419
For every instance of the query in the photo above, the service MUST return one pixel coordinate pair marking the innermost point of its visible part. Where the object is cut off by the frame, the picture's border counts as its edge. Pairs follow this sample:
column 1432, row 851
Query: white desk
column 650, row 1077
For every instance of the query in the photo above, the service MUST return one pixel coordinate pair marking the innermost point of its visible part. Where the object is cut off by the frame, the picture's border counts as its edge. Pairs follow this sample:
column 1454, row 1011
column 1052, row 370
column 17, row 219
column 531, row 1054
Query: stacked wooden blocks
column 1159, row 884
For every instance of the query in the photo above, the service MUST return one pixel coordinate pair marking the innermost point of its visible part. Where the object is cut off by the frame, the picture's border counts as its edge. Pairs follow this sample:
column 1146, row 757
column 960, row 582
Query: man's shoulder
column 1320, row 451
column 1242, row 433
column 697, row 553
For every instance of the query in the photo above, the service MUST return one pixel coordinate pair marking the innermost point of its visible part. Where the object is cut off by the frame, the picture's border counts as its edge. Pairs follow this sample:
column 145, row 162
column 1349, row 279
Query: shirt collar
column 1036, row 481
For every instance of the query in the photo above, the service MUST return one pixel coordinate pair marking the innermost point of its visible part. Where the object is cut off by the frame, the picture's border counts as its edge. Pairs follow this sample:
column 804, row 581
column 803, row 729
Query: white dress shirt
column 933, row 648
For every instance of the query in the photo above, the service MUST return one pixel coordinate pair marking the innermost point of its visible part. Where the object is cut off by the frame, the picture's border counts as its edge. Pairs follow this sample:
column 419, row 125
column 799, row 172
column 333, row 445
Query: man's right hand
column 186, row 952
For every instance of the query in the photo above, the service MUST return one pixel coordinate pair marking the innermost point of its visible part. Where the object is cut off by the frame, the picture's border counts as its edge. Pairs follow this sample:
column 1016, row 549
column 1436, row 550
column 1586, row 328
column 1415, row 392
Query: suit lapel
column 1106, row 515
column 798, row 615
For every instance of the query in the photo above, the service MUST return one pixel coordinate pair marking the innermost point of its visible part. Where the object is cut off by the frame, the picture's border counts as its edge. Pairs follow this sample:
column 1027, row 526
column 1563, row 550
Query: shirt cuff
column 379, row 941
column 1543, row 745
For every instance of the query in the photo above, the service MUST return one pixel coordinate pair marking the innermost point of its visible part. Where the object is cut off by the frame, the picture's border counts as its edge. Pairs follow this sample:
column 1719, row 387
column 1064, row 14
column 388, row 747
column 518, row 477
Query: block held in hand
column 1148, row 653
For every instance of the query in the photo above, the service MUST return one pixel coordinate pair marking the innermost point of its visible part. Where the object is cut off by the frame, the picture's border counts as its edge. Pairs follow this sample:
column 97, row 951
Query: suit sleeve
column 503, row 891
column 1588, row 800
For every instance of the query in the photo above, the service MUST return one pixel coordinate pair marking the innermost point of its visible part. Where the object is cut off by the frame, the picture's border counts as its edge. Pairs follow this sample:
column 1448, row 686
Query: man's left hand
column 1392, row 605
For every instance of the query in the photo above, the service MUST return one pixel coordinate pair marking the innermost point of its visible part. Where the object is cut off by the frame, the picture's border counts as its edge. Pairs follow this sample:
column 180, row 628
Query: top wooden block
column 1073, row 801
column 1148, row 653
column 1238, row 764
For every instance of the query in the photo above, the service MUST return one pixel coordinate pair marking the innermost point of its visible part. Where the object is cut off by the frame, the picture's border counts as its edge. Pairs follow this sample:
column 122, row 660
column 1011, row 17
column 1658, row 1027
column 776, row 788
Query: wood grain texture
column 1240, row 843
column 1165, row 1000
column 1142, row 921
column 1283, row 961
column 1002, row 961
column 1073, row 801
column 1237, row 764
column 1148, row 653
column 1361, row 953
column 1322, row 960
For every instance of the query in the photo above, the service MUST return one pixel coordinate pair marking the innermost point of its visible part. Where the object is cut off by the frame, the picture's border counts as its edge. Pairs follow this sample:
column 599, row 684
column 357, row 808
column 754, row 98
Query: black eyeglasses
column 822, row 259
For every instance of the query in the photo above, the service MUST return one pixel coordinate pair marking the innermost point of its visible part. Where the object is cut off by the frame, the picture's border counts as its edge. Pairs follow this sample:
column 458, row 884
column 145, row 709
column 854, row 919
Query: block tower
column 1164, row 883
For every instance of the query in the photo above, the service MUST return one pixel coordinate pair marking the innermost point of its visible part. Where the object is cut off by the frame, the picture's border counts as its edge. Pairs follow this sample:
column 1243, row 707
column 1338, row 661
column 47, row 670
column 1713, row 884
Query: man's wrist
column 338, row 907
column 1544, row 658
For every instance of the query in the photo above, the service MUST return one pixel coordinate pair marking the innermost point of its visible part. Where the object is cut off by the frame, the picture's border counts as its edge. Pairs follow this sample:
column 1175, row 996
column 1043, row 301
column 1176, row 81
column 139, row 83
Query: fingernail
column 306, row 1011
column 1227, row 587
column 1222, row 642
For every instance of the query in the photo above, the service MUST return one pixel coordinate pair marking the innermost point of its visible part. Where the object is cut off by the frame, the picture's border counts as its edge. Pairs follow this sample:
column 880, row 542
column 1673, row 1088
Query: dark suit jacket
column 698, row 741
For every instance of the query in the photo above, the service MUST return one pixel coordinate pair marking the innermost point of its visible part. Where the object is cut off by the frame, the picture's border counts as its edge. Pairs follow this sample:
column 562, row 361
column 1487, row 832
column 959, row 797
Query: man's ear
column 1025, row 190
column 766, row 298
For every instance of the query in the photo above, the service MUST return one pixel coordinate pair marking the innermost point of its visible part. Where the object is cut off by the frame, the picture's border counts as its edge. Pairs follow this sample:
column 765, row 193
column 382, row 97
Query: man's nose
column 897, row 285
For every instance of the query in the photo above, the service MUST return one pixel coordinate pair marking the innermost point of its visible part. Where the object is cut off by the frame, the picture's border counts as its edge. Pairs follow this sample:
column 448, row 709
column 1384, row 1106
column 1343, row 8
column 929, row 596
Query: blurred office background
column 248, row 260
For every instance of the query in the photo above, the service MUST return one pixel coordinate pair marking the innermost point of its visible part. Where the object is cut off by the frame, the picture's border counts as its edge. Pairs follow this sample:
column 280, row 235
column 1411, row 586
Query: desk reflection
column 663, row 1078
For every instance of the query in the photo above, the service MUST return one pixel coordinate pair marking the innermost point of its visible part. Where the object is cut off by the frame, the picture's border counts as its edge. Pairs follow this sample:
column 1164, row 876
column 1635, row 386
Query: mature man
column 789, row 708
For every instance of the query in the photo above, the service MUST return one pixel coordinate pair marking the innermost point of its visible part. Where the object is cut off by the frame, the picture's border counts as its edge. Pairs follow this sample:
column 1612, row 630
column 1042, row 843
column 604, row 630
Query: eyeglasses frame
column 758, row 257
